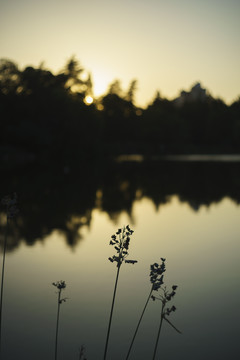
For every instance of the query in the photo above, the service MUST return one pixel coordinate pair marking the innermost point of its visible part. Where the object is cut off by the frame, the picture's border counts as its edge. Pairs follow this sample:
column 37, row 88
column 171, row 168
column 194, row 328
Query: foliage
column 44, row 119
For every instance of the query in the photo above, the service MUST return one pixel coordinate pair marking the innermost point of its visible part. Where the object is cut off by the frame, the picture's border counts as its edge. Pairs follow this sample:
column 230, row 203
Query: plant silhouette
column 60, row 285
column 156, row 279
column 165, row 297
column 121, row 242
column 10, row 204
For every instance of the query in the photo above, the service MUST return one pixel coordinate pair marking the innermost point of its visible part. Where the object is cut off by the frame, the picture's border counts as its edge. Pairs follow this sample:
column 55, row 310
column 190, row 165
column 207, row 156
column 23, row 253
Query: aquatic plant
column 120, row 241
column 156, row 279
column 165, row 312
column 10, row 204
column 60, row 285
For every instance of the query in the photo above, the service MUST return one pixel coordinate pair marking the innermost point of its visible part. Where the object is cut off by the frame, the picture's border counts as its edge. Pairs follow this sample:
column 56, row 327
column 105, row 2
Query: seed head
column 59, row 284
column 165, row 297
column 121, row 242
column 156, row 274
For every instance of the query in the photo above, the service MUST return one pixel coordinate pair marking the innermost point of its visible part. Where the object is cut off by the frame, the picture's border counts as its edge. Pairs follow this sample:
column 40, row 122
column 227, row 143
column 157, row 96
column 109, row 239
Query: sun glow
column 100, row 87
column 88, row 100
column 102, row 79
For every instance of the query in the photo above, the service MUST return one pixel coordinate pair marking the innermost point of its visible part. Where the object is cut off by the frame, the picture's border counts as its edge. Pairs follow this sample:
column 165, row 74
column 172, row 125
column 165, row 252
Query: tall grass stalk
column 60, row 286
column 158, row 333
column 165, row 312
column 156, row 278
column 121, row 244
column 2, row 282
column 11, row 210
column 111, row 313
column 139, row 322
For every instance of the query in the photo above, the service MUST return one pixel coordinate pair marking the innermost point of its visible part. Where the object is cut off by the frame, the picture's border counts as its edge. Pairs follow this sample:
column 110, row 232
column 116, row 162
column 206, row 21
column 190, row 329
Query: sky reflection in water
column 202, row 251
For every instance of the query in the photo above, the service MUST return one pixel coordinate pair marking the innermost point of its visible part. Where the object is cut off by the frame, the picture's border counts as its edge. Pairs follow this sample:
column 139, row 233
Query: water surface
column 202, row 249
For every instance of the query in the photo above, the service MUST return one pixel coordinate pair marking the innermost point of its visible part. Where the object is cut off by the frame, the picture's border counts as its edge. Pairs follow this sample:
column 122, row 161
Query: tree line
column 45, row 119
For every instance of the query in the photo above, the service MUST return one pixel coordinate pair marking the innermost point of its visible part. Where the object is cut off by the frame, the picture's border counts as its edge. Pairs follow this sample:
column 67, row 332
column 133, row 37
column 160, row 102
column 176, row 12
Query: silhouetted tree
column 9, row 77
column 74, row 78
column 44, row 117
column 130, row 95
column 115, row 88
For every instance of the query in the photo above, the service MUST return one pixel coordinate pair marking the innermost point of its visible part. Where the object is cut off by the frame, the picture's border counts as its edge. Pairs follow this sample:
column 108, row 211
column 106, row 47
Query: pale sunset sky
column 166, row 45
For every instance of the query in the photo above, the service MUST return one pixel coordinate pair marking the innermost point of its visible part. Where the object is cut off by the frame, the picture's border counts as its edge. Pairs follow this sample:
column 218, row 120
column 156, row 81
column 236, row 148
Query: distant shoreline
column 181, row 157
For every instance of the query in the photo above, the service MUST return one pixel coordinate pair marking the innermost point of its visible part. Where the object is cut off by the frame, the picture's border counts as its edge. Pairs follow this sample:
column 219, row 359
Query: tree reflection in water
column 53, row 199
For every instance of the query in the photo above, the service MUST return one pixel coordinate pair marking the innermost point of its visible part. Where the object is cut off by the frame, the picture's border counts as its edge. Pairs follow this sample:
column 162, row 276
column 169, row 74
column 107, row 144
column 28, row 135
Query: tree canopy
column 45, row 118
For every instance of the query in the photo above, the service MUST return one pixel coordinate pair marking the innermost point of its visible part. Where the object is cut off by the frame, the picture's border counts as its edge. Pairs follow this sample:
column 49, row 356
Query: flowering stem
column 139, row 322
column 58, row 313
column 174, row 327
column 159, row 330
column 111, row 313
column 2, row 281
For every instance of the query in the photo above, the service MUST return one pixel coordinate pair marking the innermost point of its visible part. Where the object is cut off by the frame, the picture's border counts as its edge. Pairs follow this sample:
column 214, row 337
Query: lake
column 187, row 213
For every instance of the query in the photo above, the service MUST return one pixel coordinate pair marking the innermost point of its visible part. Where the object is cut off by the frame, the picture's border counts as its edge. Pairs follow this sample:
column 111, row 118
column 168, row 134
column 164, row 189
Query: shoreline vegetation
column 181, row 158
column 52, row 119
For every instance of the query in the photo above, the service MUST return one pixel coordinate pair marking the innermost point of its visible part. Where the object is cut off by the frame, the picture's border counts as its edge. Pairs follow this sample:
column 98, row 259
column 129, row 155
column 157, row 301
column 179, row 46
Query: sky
column 166, row 46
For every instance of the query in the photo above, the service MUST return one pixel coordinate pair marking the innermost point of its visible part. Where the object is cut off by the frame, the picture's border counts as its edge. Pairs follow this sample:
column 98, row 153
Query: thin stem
column 139, row 322
column 2, row 281
column 111, row 313
column 58, row 313
column 158, row 334
column 169, row 322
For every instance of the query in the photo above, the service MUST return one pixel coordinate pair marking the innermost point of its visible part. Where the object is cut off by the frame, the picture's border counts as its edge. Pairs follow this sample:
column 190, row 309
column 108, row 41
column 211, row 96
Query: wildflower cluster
column 156, row 274
column 121, row 242
column 60, row 285
column 11, row 205
column 168, row 311
column 165, row 298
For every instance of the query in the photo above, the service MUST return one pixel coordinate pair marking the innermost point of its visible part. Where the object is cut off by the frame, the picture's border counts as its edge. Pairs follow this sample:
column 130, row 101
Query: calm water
column 198, row 237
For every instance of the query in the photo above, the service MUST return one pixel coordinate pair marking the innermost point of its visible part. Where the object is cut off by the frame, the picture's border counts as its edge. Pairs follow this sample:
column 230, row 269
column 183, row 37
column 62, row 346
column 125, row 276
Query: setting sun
column 88, row 100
